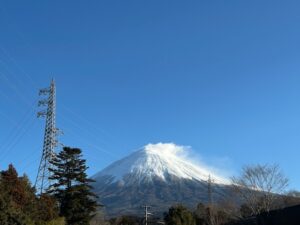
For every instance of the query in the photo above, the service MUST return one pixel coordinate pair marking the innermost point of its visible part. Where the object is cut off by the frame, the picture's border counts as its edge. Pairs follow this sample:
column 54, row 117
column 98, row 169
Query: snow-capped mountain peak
column 161, row 160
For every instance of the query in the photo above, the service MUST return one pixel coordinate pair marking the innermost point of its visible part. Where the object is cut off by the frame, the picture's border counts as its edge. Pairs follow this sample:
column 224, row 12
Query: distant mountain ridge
column 158, row 175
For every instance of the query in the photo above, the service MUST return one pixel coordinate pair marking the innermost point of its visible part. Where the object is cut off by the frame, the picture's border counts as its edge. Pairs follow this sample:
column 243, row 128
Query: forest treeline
column 19, row 203
column 71, row 201
column 257, row 190
column 68, row 201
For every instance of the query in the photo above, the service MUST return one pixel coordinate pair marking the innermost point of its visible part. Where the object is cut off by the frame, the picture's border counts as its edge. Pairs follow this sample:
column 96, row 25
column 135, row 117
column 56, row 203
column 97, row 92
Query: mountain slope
column 158, row 175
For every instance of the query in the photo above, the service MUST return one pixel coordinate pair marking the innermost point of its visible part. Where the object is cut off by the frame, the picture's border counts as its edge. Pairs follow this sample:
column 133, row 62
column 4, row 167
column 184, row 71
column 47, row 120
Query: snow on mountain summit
column 160, row 160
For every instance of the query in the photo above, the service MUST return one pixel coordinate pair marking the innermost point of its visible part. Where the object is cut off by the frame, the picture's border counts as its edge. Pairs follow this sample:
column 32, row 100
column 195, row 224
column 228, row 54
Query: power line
column 17, row 139
column 80, row 127
column 8, row 118
column 5, row 66
column 15, row 89
column 17, row 130
column 91, row 124
column 9, row 56
column 81, row 139
column 28, row 156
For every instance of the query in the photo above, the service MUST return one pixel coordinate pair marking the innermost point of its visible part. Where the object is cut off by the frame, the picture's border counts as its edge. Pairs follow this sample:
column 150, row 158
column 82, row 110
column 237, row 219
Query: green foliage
column 57, row 221
column 47, row 208
column 201, row 215
column 179, row 215
column 18, row 203
column 72, row 187
column 125, row 220
column 99, row 218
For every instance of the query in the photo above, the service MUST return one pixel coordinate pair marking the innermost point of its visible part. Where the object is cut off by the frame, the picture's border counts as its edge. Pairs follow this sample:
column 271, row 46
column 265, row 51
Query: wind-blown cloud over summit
column 188, row 154
column 161, row 160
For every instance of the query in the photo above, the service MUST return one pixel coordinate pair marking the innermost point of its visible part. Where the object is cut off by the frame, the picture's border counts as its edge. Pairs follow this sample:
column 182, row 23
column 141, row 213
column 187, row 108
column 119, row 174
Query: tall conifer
column 72, row 187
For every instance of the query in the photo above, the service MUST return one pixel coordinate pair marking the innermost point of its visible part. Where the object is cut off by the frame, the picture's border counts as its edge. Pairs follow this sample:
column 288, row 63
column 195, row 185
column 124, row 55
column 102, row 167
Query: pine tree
column 72, row 187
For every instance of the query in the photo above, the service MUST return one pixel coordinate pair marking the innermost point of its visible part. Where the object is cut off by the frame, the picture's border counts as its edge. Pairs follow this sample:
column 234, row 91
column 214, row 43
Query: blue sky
column 220, row 76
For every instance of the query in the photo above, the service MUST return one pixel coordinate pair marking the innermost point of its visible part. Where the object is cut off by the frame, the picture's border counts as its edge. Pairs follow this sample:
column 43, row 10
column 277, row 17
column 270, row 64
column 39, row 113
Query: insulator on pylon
column 43, row 102
column 44, row 91
column 41, row 113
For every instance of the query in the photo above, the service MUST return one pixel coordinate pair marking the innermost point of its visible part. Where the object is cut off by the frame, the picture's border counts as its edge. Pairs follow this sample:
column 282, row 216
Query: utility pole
column 146, row 213
column 42, row 182
column 209, row 192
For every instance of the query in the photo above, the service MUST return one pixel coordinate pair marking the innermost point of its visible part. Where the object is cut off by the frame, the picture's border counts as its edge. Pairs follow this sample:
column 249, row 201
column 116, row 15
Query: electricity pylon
column 42, row 182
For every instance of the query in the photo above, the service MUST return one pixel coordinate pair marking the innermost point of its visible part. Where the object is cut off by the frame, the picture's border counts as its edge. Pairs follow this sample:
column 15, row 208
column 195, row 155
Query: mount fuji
column 159, row 175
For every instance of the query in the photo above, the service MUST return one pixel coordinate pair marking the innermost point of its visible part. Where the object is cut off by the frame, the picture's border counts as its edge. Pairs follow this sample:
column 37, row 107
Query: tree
column 201, row 215
column 47, row 208
column 17, row 189
column 179, row 215
column 125, row 220
column 211, row 215
column 245, row 211
column 259, row 186
column 99, row 218
column 72, row 187
column 18, row 203
column 290, row 198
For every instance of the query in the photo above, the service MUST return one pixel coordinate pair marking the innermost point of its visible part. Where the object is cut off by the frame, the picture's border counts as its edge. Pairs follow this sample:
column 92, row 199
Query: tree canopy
column 179, row 215
column 20, row 206
column 72, row 187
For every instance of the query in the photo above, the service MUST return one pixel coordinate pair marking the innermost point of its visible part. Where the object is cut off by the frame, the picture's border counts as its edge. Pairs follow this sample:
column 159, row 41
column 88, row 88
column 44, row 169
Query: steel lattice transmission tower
column 50, row 137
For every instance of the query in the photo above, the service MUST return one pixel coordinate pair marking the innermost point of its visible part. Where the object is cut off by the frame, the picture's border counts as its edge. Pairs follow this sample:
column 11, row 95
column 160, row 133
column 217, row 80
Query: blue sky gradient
column 219, row 76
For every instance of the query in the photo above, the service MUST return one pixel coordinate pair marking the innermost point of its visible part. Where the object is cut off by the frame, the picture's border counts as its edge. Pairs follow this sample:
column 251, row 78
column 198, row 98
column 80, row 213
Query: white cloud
column 219, row 166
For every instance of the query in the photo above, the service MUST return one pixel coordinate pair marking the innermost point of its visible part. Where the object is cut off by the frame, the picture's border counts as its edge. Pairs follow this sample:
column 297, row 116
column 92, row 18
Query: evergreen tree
column 72, row 187
column 179, row 215
column 18, row 203
column 47, row 208
column 17, row 198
